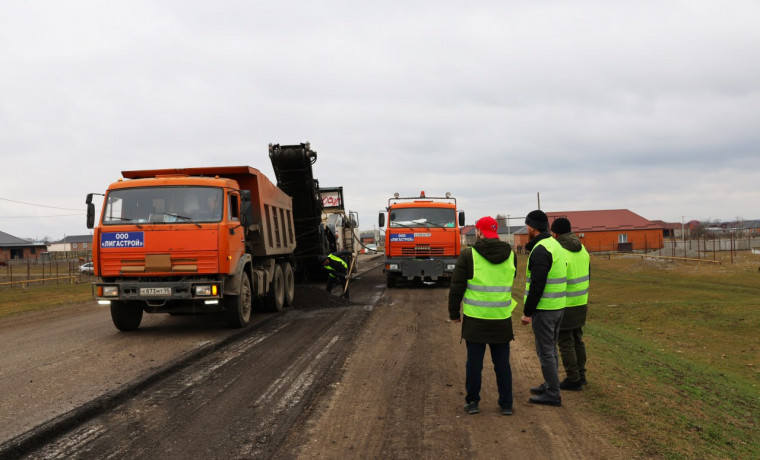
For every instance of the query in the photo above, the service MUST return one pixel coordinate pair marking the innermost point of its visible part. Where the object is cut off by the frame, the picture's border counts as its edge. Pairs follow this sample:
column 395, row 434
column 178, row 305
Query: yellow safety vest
column 330, row 270
column 489, row 292
column 577, row 277
column 553, row 297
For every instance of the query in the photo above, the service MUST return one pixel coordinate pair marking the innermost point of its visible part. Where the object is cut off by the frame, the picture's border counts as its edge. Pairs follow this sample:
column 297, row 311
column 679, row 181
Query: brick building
column 608, row 230
column 12, row 247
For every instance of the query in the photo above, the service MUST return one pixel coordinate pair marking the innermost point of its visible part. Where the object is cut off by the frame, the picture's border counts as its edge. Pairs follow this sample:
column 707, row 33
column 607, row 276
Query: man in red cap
column 480, row 298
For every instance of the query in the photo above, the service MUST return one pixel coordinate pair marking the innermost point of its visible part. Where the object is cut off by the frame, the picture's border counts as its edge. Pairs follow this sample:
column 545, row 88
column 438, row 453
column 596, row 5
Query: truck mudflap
column 421, row 268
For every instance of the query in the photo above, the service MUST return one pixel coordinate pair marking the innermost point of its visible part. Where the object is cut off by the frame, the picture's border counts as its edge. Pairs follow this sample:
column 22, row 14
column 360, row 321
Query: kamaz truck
column 422, row 239
column 193, row 240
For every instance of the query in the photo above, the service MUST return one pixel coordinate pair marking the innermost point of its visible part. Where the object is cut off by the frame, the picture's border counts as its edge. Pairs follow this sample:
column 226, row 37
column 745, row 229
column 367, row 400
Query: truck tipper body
column 193, row 240
column 422, row 238
column 322, row 225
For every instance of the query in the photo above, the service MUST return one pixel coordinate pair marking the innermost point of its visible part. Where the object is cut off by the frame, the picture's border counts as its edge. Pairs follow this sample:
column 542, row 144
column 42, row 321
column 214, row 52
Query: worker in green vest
column 480, row 298
column 337, row 270
column 571, row 346
column 546, row 278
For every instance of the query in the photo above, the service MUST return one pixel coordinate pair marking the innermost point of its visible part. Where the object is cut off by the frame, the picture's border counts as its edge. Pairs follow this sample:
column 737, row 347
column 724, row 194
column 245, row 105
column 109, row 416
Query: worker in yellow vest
column 546, row 278
column 337, row 270
column 480, row 298
column 571, row 346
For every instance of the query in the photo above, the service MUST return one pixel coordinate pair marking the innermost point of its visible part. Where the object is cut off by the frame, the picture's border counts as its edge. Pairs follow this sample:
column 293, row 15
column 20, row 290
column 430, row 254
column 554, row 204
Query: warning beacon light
column 422, row 194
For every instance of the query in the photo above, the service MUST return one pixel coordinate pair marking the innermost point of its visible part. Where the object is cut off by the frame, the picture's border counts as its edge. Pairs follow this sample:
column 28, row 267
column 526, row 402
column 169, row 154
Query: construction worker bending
column 337, row 270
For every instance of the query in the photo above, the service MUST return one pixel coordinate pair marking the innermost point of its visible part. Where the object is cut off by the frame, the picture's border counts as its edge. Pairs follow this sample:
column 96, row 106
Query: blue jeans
column 473, row 378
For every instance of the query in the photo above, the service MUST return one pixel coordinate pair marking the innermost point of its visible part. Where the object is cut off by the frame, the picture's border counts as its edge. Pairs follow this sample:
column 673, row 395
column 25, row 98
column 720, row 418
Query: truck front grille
column 422, row 251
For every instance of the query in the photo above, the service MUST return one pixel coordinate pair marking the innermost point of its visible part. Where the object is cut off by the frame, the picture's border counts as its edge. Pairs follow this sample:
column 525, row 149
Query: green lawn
column 674, row 356
column 17, row 300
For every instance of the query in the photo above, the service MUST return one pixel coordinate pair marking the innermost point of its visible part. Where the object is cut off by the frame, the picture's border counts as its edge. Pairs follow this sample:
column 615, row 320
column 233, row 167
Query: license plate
column 155, row 291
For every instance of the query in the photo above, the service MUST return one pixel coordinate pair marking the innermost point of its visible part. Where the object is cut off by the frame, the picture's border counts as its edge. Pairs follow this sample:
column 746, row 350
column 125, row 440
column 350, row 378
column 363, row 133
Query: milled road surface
column 381, row 376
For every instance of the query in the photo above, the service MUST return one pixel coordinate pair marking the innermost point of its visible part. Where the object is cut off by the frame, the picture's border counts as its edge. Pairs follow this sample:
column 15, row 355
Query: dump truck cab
column 193, row 240
column 422, row 238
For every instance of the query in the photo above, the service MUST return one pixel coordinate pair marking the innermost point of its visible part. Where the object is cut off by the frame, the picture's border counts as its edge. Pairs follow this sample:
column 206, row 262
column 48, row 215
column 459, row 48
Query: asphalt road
column 381, row 376
column 71, row 386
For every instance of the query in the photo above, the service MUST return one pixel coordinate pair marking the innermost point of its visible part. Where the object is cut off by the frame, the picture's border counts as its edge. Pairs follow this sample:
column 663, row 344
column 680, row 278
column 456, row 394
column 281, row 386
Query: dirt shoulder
column 402, row 390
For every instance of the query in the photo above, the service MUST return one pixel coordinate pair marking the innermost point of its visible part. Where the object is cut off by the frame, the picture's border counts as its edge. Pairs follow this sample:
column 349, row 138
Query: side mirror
column 381, row 220
column 90, row 213
column 461, row 218
column 246, row 214
column 89, row 198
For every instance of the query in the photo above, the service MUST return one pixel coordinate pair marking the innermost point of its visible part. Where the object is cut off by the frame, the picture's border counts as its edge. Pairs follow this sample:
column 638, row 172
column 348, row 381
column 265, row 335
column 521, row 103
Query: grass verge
column 17, row 300
column 673, row 357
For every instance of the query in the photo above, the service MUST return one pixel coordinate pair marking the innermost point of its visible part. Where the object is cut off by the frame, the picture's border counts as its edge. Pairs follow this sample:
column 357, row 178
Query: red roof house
column 609, row 230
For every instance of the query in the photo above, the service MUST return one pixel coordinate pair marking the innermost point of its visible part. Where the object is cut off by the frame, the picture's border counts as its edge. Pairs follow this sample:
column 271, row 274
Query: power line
column 39, row 205
column 34, row 217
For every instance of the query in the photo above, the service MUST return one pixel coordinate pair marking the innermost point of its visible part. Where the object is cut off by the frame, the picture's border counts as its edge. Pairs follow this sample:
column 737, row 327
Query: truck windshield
column 157, row 205
column 422, row 217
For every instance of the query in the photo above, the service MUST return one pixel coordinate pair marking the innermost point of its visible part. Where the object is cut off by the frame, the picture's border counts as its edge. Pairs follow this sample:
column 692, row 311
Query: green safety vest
column 577, row 277
column 553, row 297
column 330, row 270
column 489, row 292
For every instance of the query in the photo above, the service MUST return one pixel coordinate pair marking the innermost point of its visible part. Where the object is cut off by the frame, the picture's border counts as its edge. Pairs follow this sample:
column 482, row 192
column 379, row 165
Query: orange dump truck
column 422, row 239
column 193, row 240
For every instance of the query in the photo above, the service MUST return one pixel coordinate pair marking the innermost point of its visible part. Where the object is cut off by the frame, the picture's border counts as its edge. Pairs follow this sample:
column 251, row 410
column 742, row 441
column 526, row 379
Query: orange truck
column 193, row 240
column 422, row 238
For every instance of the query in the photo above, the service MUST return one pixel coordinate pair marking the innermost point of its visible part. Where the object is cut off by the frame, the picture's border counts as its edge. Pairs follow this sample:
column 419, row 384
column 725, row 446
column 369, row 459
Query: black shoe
column 539, row 390
column 583, row 381
column 570, row 385
column 506, row 410
column 545, row 400
column 472, row 407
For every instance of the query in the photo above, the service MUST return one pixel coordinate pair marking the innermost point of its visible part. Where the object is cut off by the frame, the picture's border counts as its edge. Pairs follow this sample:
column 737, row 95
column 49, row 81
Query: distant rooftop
column 601, row 220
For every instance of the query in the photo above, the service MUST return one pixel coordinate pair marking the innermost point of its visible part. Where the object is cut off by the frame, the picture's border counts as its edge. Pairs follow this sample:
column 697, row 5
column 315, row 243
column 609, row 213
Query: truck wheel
column 126, row 316
column 275, row 298
column 390, row 281
column 237, row 308
column 290, row 283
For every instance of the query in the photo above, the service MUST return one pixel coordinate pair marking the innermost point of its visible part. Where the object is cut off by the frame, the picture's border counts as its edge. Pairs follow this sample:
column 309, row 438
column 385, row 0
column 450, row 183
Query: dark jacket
column 338, row 269
column 574, row 317
column 479, row 330
column 539, row 263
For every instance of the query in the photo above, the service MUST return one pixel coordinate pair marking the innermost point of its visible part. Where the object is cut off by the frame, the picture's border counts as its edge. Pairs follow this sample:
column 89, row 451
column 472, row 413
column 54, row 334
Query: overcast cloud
column 653, row 106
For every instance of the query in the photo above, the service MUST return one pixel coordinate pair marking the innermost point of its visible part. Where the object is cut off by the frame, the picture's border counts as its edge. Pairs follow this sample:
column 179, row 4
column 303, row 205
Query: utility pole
column 683, row 238
column 538, row 197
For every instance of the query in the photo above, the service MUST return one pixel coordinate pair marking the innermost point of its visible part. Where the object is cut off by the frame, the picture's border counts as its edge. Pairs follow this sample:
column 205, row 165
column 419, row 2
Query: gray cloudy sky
column 652, row 106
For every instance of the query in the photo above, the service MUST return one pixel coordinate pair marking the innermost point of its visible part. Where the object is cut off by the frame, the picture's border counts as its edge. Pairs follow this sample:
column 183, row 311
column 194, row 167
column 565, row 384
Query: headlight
column 206, row 290
column 392, row 266
column 110, row 291
column 450, row 267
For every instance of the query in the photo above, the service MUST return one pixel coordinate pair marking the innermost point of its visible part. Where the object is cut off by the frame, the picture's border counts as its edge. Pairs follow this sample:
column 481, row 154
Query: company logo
column 122, row 240
column 403, row 237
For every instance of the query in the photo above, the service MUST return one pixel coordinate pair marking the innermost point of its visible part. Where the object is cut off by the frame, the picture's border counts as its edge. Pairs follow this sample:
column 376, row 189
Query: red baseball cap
column 487, row 226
